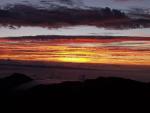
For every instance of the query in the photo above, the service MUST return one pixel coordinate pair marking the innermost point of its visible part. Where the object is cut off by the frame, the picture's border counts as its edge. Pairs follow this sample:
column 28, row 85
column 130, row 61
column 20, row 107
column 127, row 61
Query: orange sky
column 133, row 51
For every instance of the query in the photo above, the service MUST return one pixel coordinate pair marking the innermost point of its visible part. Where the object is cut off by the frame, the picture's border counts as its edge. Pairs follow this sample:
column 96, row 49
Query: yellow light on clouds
column 74, row 60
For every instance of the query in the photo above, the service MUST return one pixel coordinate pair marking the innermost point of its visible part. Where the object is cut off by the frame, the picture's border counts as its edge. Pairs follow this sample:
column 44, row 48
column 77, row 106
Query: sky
column 121, row 4
column 73, row 31
column 78, row 50
column 79, row 30
column 120, row 51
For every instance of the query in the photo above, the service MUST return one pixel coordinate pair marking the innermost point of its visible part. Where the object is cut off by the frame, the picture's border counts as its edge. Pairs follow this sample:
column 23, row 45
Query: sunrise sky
column 121, row 4
column 102, row 22
column 62, row 40
column 73, row 31
column 124, row 51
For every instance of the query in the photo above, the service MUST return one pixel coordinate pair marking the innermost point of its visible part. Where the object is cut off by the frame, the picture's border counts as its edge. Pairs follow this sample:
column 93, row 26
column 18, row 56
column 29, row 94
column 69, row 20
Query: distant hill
column 9, row 83
column 101, row 90
column 110, row 85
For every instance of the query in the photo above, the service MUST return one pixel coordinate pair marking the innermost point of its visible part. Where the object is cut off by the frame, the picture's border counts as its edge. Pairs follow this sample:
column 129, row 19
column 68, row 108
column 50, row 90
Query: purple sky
column 121, row 4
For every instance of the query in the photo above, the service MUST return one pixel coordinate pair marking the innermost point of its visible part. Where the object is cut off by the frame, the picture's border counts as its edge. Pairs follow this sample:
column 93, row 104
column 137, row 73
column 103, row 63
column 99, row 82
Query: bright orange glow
column 131, row 51
column 75, row 60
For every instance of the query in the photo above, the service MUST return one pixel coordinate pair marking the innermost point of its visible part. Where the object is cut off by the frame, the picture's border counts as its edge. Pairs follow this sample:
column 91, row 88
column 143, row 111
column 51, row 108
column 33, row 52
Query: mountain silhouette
column 100, row 85
column 104, row 91
column 13, row 81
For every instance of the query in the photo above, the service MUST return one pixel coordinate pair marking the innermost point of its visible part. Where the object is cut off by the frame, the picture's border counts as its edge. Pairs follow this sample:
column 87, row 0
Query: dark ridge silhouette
column 100, row 91
column 97, row 85
column 101, row 86
column 13, row 81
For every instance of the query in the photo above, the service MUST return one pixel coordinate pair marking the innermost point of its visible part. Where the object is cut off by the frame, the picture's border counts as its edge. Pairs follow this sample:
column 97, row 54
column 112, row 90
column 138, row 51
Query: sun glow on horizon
column 77, row 50
column 74, row 60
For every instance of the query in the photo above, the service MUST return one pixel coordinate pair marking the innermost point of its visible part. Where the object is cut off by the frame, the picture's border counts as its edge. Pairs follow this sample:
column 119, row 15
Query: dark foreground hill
column 105, row 91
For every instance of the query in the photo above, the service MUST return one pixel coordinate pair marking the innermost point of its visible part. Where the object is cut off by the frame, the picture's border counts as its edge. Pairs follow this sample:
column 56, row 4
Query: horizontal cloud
column 104, row 17
column 127, row 0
